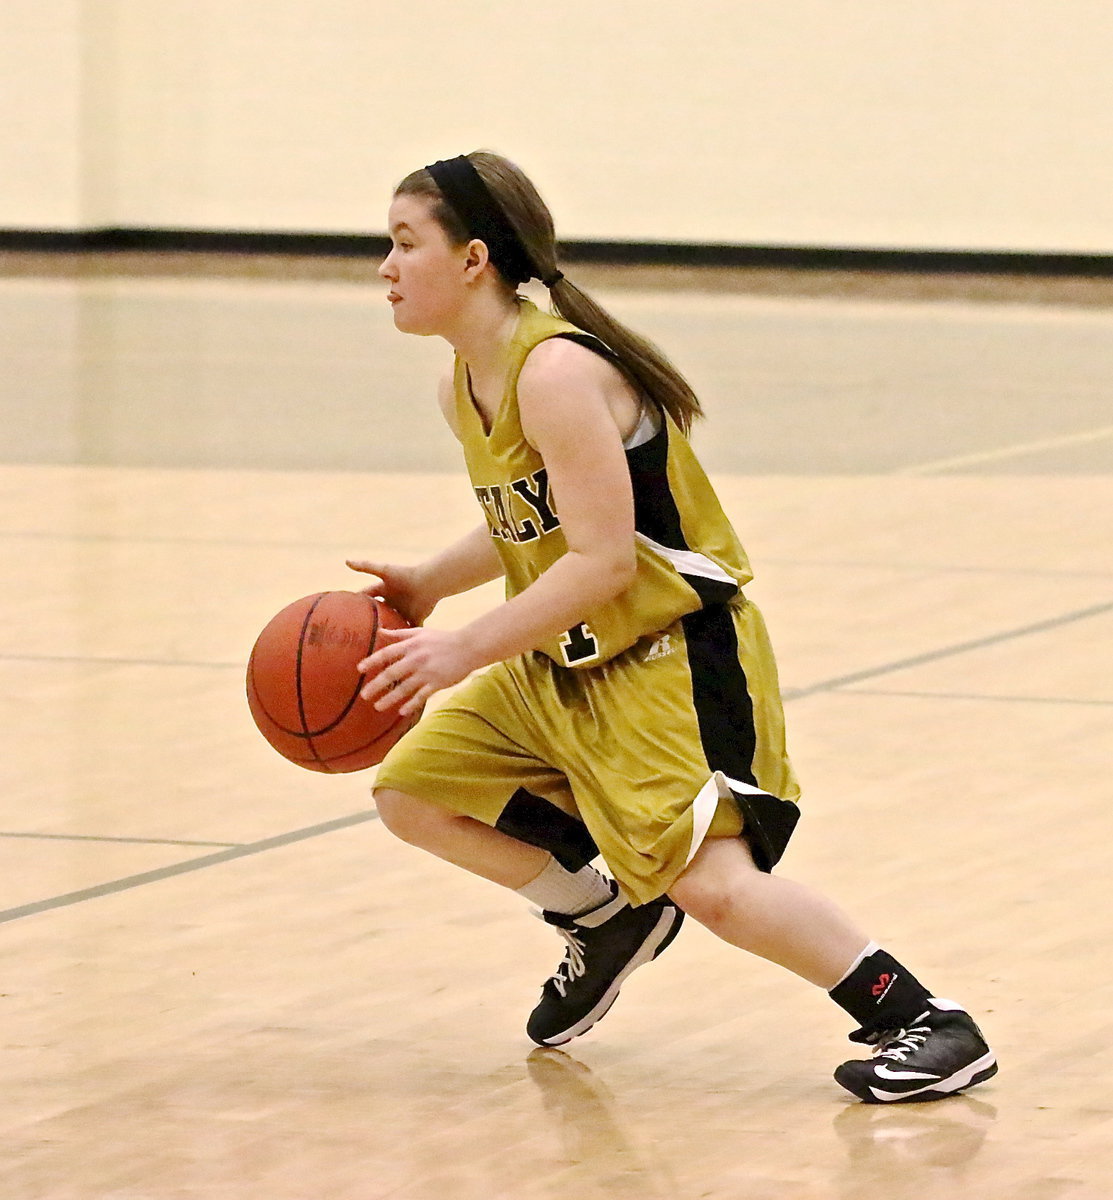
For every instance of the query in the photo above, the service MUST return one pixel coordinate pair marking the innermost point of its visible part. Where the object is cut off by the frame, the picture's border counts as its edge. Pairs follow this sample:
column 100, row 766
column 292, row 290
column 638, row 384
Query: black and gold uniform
column 653, row 723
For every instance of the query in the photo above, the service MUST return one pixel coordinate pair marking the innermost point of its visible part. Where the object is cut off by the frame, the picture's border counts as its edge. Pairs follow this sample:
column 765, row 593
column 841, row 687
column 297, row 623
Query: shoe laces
column 572, row 965
column 898, row 1044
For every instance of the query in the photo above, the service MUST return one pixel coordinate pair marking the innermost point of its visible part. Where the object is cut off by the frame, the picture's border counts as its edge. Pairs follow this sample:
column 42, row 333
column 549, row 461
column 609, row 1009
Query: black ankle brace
column 880, row 994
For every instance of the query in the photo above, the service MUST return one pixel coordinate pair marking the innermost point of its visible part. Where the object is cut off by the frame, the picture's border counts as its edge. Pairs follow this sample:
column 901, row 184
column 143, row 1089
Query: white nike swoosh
column 884, row 1072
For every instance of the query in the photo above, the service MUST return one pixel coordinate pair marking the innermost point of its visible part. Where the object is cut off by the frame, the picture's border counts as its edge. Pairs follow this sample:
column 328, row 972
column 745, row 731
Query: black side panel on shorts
column 532, row 819
column 769, row 824
column 721, row 692
column 726, row 722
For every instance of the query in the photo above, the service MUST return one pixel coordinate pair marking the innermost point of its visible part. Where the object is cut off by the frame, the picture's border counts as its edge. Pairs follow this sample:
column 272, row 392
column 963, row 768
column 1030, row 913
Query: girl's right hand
column 401, row 587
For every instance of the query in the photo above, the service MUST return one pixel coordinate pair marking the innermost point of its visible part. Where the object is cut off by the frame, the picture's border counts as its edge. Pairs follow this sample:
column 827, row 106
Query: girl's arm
column 566, row 398
column 563, row 401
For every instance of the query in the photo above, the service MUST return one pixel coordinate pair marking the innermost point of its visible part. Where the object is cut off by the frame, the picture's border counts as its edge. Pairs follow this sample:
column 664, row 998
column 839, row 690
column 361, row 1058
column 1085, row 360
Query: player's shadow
column 915, row 1143
column 604, row 1156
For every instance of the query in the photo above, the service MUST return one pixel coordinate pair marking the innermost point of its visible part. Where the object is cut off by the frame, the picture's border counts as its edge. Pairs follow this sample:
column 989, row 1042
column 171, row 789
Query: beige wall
column 971, row 124
column 41, row 106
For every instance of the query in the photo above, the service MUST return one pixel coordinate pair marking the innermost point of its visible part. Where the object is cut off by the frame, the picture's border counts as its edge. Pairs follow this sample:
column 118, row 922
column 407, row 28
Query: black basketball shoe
column 604, row 946
column 938, row 1054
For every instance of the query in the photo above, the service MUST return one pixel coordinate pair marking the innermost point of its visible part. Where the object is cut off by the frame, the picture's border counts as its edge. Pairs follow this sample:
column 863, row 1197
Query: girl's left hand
column 412, row 665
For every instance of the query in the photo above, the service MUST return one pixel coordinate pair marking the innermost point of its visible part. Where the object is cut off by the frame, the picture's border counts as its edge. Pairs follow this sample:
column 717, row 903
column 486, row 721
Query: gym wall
column 976, row 125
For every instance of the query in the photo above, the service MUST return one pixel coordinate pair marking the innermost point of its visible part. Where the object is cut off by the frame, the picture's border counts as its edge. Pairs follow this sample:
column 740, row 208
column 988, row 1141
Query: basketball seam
column 297, row 679
column 304, row 733
column 324, row 762
column 253, row 692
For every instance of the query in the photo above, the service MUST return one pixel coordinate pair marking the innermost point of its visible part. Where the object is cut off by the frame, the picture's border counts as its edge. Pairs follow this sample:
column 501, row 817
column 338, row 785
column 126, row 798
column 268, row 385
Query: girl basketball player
column 630, row 708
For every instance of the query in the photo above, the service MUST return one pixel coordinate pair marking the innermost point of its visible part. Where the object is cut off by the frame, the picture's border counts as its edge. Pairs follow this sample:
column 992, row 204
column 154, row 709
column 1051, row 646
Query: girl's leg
column 461, row 840
column 768, row 915
column 466, row 842
column 926, row 1048
column 606, row 938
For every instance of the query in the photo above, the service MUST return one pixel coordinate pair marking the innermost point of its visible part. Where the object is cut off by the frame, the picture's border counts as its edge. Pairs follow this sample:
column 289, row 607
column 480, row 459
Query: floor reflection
column 904, row 1147
column 606, row 1155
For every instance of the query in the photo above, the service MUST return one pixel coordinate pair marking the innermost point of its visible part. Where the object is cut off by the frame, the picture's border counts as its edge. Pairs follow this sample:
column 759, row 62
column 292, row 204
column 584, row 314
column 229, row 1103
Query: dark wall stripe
column 199, row 241
column 619, row 253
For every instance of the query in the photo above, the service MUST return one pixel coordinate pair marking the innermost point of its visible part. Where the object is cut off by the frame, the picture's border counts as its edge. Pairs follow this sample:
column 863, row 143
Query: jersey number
column 578, row 645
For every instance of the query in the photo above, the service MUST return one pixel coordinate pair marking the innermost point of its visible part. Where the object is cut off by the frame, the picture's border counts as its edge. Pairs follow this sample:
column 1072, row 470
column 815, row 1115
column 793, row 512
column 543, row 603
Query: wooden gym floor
column 224, row 979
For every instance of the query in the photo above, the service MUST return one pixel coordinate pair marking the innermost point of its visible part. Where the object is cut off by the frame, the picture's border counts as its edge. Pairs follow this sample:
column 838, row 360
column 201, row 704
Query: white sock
column 871, row 948
column 563, row 891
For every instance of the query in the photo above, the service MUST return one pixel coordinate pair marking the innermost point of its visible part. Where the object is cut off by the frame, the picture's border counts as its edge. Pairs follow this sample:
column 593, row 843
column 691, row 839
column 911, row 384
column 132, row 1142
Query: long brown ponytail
column 646, row 366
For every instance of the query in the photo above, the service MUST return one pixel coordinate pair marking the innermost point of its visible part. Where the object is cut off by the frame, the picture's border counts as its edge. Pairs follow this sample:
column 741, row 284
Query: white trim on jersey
column 718, row 787
column 703, row 811
column 688, row 562
column 736, row 785
column 647, row 428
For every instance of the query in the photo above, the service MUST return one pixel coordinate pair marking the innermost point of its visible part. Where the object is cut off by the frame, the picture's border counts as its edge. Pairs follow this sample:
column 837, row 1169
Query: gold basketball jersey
column 688, row 555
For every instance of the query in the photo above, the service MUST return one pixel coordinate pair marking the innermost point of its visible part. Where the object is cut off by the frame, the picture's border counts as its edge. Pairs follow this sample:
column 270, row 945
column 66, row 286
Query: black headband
column 469, row 198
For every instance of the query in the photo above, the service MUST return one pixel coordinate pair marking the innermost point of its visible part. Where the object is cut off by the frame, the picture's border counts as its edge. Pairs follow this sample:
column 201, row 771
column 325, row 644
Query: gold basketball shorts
column 678, row 738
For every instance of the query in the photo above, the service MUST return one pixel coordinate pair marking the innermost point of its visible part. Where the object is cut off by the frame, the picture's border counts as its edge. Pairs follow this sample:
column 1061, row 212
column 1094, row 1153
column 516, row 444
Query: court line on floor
column 93, row 660
column 979, row 696
column 931, row 656
column 143, row 539
column 901, row 568
column 1003, row 452
column 243, row 850
column 92, row 837
column 95, row 837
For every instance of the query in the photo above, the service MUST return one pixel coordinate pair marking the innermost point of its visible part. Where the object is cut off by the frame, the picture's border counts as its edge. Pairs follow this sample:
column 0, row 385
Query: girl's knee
column 715, row 887
column 703, row 902
column 417, row 822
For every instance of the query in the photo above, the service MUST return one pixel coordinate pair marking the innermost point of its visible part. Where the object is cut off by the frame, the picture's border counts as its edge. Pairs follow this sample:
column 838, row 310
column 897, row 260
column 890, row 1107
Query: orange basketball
column 303, row 685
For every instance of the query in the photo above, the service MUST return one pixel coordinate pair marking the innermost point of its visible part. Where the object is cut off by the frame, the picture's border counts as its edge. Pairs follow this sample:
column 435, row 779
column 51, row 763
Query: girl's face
column 425, row 271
